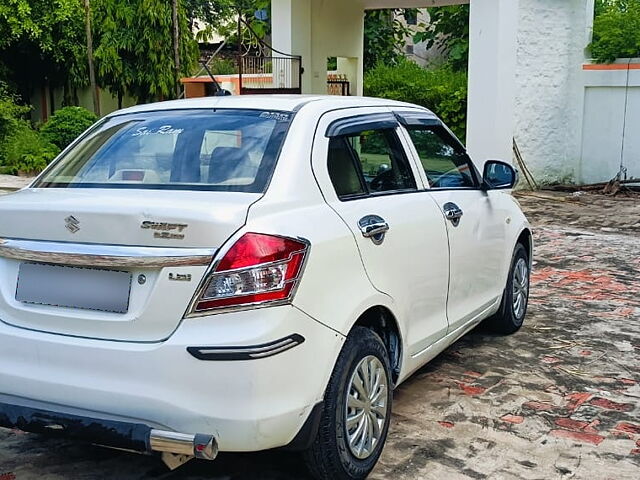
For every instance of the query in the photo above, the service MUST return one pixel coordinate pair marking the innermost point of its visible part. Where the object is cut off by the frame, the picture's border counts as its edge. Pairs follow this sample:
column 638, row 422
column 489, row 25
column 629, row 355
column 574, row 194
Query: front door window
column 445, row 163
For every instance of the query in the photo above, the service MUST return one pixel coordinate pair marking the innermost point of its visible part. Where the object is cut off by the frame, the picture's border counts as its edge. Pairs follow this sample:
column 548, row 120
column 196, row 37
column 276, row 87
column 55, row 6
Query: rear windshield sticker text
column 163, row 130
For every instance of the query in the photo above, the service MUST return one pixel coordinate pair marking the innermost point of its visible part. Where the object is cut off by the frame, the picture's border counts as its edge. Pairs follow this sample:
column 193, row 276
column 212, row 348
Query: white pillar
column 338, row 31
column 291, row 32
column 493, row 29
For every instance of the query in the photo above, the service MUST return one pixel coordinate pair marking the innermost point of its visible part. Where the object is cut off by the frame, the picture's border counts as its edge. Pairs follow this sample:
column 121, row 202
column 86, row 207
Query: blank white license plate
column 72, row 287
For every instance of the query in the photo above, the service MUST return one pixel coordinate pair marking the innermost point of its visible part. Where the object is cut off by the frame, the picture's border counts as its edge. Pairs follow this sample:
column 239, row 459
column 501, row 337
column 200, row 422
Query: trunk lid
column 154, row 218
column 160, row 242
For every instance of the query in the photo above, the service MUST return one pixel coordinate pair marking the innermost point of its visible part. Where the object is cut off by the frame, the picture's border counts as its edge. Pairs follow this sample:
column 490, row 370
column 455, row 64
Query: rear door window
column 368, row 163
column 228, row 150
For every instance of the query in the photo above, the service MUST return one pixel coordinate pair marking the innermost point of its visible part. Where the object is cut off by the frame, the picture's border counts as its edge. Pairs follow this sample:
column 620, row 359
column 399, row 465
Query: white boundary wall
column 552, row 38
column 611, row 125
column 570, row 115
column 526, row 80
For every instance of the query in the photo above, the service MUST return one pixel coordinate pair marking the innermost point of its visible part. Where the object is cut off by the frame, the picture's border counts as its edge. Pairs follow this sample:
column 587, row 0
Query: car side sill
column 420, row 358
column 458, row 332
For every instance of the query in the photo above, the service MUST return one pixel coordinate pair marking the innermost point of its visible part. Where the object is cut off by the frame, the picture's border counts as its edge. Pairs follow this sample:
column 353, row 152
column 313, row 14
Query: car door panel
column 477, row 251
column 476, row 223
column 410, row 261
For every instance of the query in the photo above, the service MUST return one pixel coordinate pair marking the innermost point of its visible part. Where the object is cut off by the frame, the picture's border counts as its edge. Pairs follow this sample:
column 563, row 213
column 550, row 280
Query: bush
column 25, row 151
column 442, row 90
column 10, row 112
column 223, row 66
column 616, row 30
column 66, row 125
column 22, row 149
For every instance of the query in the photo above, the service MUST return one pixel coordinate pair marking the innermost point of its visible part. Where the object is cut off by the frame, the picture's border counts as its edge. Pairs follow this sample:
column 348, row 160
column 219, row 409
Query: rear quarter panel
column 334, row 288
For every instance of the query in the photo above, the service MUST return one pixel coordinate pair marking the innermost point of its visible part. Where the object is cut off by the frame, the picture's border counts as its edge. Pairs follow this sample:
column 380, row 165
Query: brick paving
column 560, row 399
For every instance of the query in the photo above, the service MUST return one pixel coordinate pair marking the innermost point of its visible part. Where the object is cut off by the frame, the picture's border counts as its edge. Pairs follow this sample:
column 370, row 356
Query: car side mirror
column 498, row 175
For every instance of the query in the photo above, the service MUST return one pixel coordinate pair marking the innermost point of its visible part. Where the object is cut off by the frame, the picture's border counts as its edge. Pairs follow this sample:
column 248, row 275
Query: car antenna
column 220, row 92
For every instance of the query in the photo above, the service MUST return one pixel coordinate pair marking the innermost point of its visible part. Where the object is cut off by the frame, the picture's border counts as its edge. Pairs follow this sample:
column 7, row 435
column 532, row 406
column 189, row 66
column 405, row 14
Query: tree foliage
column 448, row 29
column 10, row 110
column 43, row 39
column 133, row 47
column 443, row 90
column 22, row 149
column 253, row 30
column 616, row 30
column 384, row 37
column 214, row 13
column 25, row 150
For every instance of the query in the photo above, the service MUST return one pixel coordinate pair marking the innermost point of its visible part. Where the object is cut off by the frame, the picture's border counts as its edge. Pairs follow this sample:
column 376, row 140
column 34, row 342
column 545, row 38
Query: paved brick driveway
column 560, row 399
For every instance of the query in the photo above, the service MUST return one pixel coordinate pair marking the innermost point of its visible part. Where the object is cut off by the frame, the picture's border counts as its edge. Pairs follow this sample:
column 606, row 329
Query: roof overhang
column 377, row 4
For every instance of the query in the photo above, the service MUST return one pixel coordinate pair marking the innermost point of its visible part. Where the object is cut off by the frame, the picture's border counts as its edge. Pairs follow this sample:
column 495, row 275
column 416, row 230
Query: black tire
column 330, row 457
column 506, row 320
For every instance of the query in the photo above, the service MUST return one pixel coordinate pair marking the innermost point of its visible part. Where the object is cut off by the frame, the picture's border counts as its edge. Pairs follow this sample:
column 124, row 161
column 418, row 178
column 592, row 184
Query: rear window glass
column 224, row 150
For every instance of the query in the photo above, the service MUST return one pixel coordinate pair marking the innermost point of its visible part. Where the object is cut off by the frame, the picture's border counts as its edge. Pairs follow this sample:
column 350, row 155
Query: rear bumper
column 246, row 405
column 135, row 437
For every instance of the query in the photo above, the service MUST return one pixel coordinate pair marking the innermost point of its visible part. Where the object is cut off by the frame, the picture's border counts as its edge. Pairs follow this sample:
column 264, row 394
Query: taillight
column 257, row 269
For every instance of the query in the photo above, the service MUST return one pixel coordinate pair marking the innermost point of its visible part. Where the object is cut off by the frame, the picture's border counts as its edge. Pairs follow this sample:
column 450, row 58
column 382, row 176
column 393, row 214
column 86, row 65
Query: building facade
column 529, row 79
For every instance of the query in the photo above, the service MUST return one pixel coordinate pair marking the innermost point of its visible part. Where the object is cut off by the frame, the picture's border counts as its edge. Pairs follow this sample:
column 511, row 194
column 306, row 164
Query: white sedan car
column 245, row 273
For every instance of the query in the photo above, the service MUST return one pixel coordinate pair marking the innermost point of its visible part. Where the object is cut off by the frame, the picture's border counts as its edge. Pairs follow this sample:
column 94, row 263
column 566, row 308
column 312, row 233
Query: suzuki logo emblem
column 72, row 224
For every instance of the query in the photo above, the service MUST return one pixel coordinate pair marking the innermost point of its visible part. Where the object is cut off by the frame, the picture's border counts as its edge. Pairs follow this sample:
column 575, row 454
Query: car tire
column 510, row 316
column 335, row 453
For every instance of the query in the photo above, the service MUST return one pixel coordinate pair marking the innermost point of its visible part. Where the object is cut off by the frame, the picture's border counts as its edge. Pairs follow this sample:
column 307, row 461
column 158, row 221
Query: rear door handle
column 452, row 212
column 373, row 227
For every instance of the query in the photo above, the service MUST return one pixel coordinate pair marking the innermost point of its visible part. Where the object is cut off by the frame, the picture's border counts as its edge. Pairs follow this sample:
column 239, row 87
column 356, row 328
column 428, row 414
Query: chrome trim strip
column 95, row 255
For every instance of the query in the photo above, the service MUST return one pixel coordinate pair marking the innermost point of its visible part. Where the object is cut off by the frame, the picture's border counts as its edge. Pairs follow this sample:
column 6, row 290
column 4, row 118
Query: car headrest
column 225, row 162
column 342, row 171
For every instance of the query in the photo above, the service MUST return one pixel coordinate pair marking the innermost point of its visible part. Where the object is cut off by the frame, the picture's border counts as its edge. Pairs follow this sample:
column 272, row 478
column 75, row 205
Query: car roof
column 286, row 103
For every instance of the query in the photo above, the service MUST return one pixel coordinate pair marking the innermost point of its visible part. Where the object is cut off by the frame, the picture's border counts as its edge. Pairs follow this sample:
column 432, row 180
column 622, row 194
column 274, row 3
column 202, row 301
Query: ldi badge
column 180, row 277
column 165, row 230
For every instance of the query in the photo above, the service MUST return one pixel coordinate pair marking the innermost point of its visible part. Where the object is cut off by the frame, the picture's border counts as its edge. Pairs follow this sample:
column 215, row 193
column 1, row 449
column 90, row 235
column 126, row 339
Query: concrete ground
column 9, row 183
column 560, row 399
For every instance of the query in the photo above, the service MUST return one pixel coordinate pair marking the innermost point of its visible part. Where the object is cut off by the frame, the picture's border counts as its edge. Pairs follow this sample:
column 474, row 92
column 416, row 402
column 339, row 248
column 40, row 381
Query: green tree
column 212, row 14
column 134, row 47
column 253, row 30
column 22, row 149
column 616, row 30
column 43, row 39
column 448, row 28
column 384, row 37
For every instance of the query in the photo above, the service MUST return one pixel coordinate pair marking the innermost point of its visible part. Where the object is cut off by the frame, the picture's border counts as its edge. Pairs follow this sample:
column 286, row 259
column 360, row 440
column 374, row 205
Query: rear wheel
column 515, row 298
column 356, row 413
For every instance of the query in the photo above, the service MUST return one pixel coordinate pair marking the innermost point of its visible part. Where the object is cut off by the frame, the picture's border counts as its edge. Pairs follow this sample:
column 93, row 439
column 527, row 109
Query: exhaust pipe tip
column 194, row 445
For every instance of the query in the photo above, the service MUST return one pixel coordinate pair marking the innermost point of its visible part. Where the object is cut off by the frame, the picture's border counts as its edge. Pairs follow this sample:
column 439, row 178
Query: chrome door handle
column 452, row 212
column 373, row 227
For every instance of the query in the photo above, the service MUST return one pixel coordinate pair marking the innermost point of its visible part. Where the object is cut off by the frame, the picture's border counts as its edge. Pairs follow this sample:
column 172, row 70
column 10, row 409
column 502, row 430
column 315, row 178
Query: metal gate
column 268, row 71
column 270, row 74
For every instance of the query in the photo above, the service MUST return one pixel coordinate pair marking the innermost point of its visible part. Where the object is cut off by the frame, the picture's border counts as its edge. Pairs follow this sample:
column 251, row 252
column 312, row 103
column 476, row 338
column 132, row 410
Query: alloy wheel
column 366, row 410
column 520, row 288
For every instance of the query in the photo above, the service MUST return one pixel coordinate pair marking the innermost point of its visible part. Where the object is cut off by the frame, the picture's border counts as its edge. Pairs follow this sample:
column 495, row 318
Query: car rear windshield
column 222, row 150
